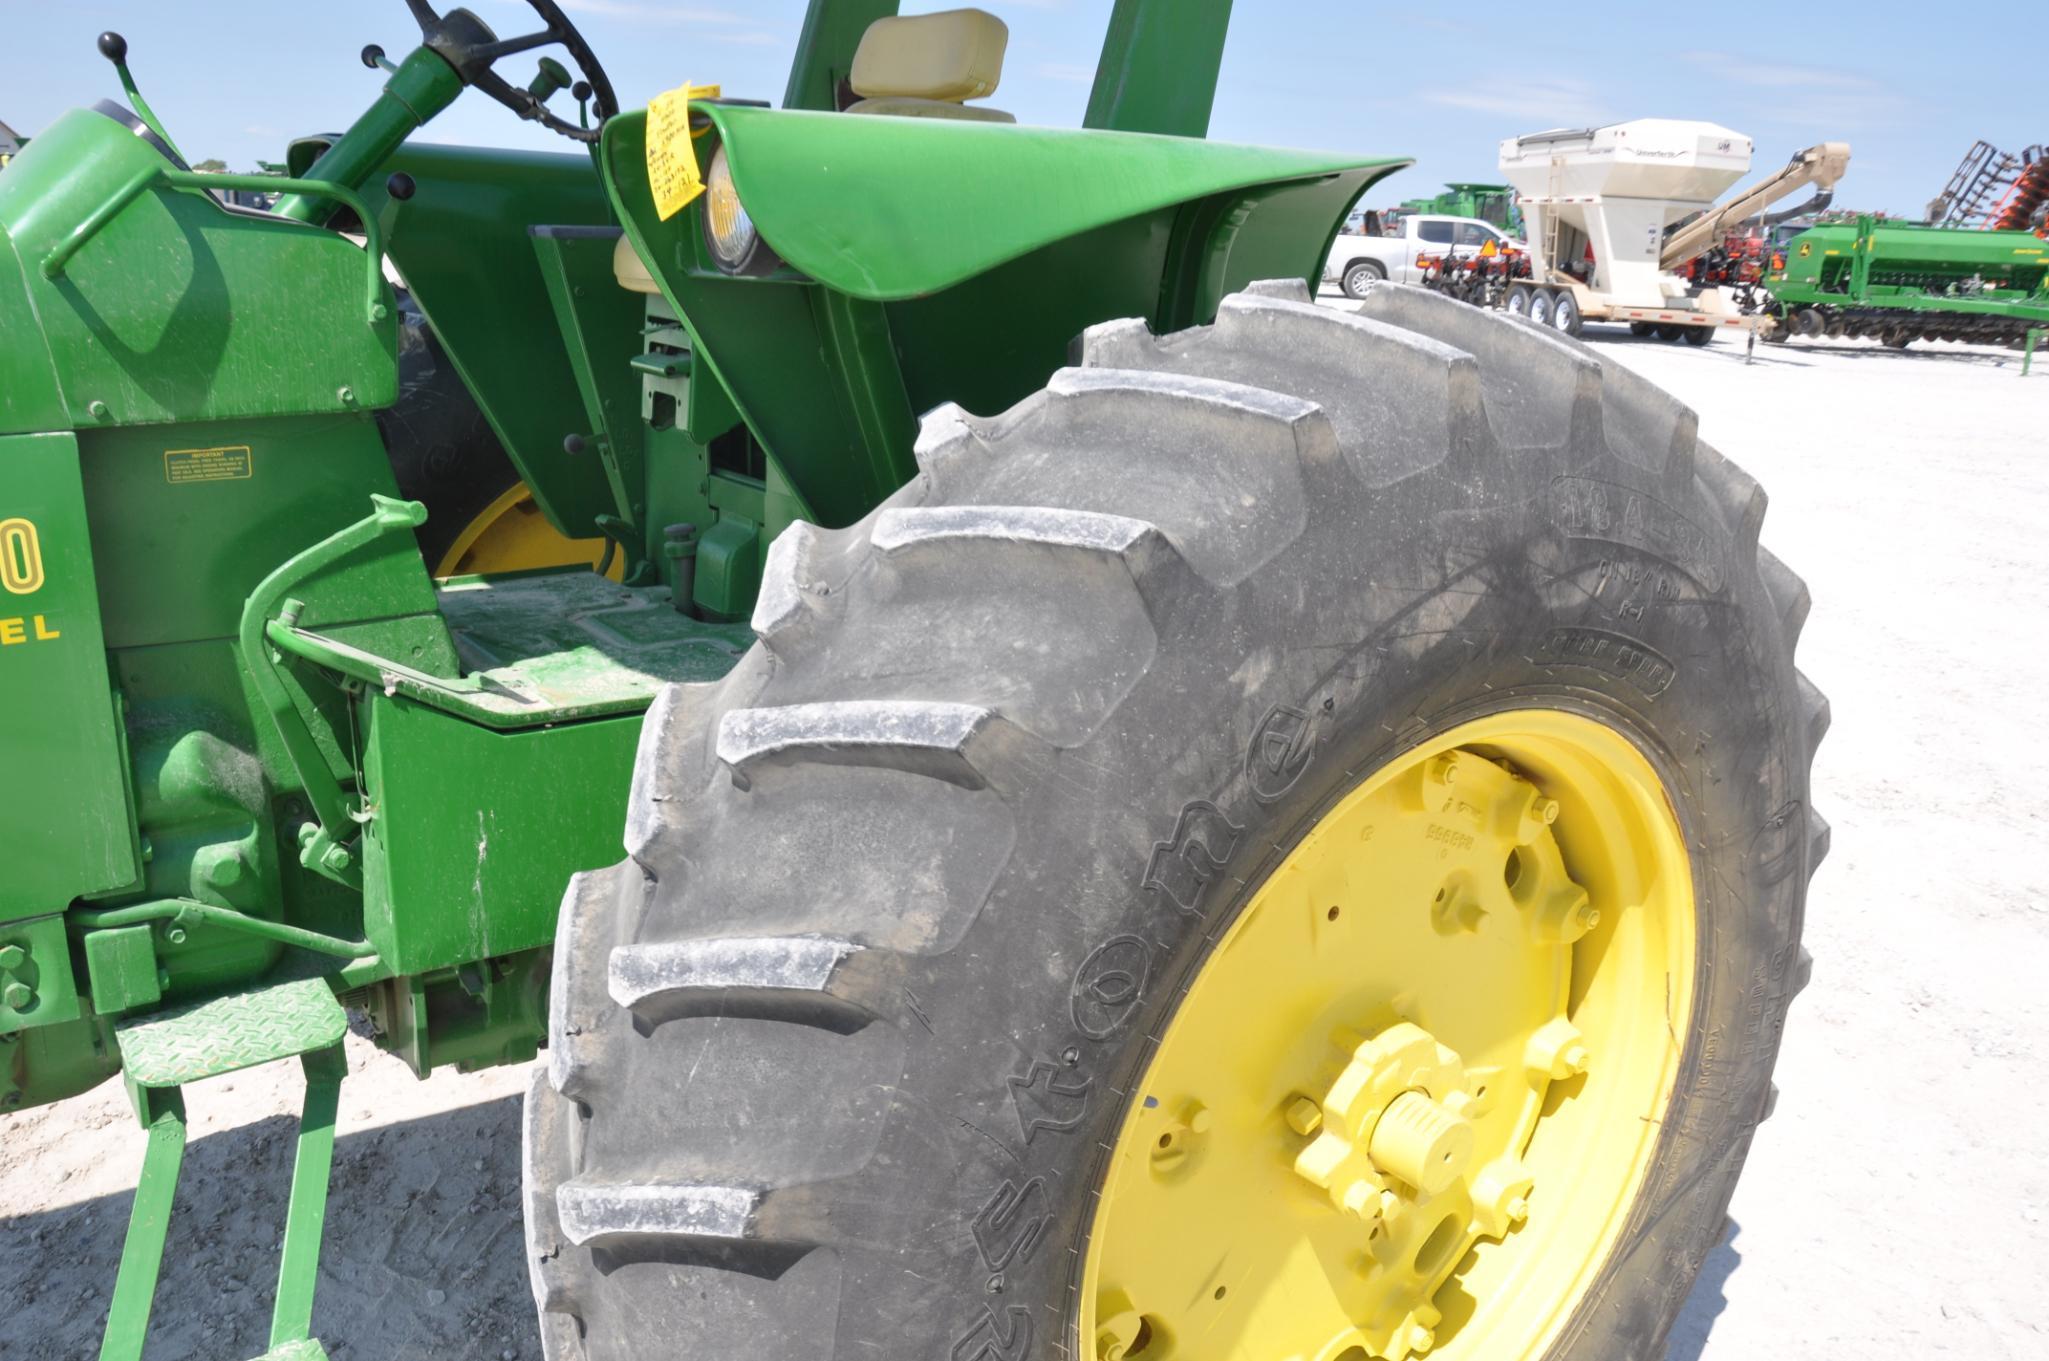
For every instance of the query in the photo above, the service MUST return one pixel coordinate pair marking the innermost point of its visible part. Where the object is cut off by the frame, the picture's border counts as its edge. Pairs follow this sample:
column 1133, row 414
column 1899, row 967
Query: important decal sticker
column 228, row 463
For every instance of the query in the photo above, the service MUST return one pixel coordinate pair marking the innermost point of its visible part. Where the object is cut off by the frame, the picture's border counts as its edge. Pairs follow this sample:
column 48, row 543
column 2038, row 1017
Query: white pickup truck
column 1356, row 261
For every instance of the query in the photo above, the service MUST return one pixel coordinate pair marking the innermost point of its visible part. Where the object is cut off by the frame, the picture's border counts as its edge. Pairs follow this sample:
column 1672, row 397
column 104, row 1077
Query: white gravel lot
column 1898, row 1202
column 1895, row 1205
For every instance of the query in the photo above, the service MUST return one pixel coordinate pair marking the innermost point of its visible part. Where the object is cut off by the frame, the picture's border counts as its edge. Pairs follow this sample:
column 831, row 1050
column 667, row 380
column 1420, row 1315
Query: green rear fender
column 933, row 261
column 890, row 208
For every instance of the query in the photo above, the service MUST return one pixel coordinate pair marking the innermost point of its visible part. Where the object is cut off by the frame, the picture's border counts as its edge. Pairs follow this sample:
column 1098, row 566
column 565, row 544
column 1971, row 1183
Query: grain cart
column 1615, row 210
column 1159, row 819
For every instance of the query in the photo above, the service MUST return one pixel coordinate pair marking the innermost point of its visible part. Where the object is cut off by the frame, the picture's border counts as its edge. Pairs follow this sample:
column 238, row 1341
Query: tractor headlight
column 735, row 244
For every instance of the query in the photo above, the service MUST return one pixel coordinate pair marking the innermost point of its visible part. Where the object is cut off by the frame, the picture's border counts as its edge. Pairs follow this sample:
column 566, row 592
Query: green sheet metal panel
column 177, row 308
column 187, row 519
column 66, row 826
column 477, row 832
column 30, row 398
column 463, row 243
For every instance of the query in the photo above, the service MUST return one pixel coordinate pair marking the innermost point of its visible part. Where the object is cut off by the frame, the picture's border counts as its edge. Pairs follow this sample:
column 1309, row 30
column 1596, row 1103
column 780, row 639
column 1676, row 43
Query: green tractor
column 1160, row 819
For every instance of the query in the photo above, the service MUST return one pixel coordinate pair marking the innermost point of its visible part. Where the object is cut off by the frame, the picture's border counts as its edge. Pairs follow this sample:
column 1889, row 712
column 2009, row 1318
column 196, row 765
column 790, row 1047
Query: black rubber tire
column 1361, row 275
column 1669, row 331
column 836, row 1054
column 1518, row 303
column 1639, row 328
column 1565, row 317
column 1699, row 335
column 443, row 451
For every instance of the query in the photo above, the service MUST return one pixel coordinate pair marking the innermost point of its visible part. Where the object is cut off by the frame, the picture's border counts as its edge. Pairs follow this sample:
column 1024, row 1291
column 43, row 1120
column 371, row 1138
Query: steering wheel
column 465, row 42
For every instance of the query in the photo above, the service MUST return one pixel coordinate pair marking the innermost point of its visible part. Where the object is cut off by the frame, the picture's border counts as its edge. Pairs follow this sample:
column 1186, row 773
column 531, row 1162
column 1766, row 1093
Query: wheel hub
column 1320, row 1161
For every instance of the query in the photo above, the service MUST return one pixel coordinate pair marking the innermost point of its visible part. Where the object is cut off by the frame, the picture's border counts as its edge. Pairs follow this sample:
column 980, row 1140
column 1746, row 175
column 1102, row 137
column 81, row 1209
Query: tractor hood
column 884, row 208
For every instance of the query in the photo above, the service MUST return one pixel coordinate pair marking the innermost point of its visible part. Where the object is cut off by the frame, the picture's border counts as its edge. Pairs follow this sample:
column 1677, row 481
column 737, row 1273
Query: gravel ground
column 1896, row 1203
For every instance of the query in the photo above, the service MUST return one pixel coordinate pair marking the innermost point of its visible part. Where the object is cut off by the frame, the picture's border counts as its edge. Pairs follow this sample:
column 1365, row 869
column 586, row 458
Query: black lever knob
column 113, row 47
column 400, row 186
column 572, row 444
column 373, row 56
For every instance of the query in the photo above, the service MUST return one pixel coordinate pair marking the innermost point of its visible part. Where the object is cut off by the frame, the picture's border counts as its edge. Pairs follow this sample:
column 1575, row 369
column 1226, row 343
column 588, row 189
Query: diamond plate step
column 224, row 1034
column 306, row 1349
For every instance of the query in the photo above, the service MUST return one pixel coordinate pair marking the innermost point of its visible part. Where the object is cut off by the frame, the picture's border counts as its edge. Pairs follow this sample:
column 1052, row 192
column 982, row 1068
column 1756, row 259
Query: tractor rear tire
column 835, row 1054
column 445, row 455
column 443, row 451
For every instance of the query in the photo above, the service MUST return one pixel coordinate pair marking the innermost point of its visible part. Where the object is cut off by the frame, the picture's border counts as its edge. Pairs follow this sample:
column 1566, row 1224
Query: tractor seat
column 926, row 65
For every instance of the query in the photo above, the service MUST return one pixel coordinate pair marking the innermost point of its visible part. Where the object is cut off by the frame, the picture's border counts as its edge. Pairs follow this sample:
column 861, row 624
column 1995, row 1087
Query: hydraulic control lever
column 114, row 48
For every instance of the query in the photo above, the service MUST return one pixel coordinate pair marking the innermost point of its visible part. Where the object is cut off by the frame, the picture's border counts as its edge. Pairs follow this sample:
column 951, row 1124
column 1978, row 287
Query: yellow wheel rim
column 1406, row 1104
column 512, row 535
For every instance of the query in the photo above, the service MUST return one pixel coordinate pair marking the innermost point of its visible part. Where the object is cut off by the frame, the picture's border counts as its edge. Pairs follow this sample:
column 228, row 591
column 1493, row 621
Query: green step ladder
column 161, row 1054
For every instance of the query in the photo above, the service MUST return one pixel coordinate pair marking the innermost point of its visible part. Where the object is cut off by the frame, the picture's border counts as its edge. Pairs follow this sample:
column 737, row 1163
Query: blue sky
column 237, row 78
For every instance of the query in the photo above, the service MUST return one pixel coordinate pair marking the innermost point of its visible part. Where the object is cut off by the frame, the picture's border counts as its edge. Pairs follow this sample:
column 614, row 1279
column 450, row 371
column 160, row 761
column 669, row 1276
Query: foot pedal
column 226, row 1034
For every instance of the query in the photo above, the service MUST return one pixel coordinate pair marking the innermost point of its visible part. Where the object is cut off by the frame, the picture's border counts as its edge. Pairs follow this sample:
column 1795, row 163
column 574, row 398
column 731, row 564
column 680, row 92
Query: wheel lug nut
column 1420, row 1339
column 1304, row 1116
column 1556, row 1051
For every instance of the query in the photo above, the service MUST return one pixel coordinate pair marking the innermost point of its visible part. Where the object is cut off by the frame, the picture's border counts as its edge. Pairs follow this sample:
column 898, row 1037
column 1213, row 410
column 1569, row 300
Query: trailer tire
column 1565, row 316
column 1518, row 304
column 1700, row 335
column 1670, row 331
column 835, row 1053
column 1361, row 275
column 1540, row 306
column 1639, row 328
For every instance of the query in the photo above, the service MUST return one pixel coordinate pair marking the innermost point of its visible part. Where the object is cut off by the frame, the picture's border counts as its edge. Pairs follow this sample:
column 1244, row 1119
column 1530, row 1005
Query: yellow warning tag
column 671, row 163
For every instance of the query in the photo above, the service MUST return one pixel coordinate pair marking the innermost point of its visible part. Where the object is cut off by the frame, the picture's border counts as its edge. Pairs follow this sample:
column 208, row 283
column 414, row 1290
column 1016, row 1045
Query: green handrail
column 324, row 849
column 190, row 181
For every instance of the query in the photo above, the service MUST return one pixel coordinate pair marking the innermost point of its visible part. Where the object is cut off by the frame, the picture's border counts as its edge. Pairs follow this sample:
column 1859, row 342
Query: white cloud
column 1539, row 103
column 1823, row 98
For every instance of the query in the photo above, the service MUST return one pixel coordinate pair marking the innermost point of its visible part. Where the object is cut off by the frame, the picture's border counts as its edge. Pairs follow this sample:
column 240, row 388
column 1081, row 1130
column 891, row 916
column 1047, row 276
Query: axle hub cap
column 1462, row 987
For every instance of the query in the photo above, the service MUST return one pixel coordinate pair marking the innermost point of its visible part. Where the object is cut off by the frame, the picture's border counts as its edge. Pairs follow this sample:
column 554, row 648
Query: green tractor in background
column 1160, row 819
